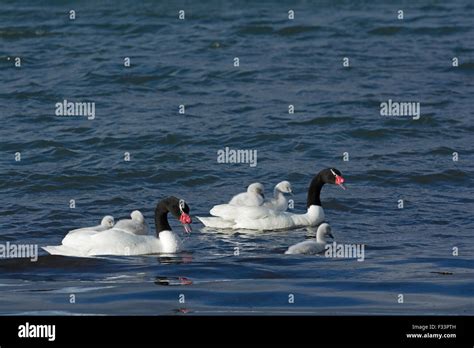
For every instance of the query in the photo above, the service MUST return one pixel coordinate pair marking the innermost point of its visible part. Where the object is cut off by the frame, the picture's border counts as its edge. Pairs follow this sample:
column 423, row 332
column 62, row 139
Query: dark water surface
column 407, row 251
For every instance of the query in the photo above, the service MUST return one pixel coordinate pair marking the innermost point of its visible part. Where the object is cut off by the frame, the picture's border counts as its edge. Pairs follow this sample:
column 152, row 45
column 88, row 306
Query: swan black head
column 332, row 176
column 178, row 208
column 326, row 176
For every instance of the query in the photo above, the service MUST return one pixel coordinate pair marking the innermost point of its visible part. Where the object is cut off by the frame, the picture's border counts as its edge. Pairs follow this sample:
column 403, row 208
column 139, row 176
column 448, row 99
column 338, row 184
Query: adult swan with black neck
column 263, row 218
column 117, row 241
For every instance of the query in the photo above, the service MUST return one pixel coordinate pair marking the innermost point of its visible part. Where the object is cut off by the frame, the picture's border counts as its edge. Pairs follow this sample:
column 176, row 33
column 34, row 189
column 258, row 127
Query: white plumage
column 312, row 246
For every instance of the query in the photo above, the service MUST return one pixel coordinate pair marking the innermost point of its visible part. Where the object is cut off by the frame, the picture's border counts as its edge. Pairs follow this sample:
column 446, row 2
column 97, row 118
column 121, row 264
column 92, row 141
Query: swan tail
column 218, row 210
column 215, row 222
column 62, row 250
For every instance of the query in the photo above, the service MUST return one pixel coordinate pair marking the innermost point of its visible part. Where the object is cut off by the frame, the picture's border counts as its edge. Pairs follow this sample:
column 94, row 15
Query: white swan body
column 279, row 201
column 106, row 223
column 135, row 225
column 118, row 241
column 261, row 218
column 253, row 196
column 311, row 247
column 115, row 242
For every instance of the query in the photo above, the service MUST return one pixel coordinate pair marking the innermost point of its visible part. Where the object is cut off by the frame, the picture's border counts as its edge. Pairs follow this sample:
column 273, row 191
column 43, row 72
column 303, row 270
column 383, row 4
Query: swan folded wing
column 78, row 237
column 118, row 242
column 231, row 212
column 75, row 243
column 113, row 242
column 78, row 243
column 110, row 242
column 271, row 220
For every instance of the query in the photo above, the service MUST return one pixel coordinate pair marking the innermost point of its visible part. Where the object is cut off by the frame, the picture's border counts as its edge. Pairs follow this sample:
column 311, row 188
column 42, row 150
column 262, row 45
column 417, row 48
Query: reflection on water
column 175, row 259
column 173, row 281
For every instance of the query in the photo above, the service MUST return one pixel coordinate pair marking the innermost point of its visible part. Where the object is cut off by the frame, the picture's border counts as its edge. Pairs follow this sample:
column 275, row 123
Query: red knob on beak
column 185, row 218
column 340, row 181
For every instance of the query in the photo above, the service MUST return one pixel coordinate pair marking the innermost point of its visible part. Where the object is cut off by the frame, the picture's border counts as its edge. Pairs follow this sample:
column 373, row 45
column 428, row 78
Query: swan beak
column 340, row 182
column 187, row 228
column 185, row 219
column 185, row 281
column 330, row 235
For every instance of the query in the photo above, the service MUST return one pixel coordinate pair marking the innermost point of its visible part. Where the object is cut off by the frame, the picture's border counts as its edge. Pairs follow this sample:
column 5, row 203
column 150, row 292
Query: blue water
column 408, row 251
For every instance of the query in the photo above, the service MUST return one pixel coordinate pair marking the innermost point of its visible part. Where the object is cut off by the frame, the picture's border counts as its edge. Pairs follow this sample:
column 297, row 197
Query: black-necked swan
column 106, row 223
column 263, row 218
column 313, row 246
column 135, row 225
column 279, row 201
column 119, row 242
column 253, row 197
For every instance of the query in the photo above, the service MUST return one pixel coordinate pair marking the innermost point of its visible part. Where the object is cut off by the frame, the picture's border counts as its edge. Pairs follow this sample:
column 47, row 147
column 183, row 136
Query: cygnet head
column 137, row 216
column 107, row 221
column 256, row 188
column 284, row 187
column 324, row 231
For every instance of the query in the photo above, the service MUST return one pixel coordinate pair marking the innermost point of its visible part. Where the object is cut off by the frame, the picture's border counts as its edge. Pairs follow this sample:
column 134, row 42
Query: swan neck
column 320, row 238
column 161, row 218
column 314, row 191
